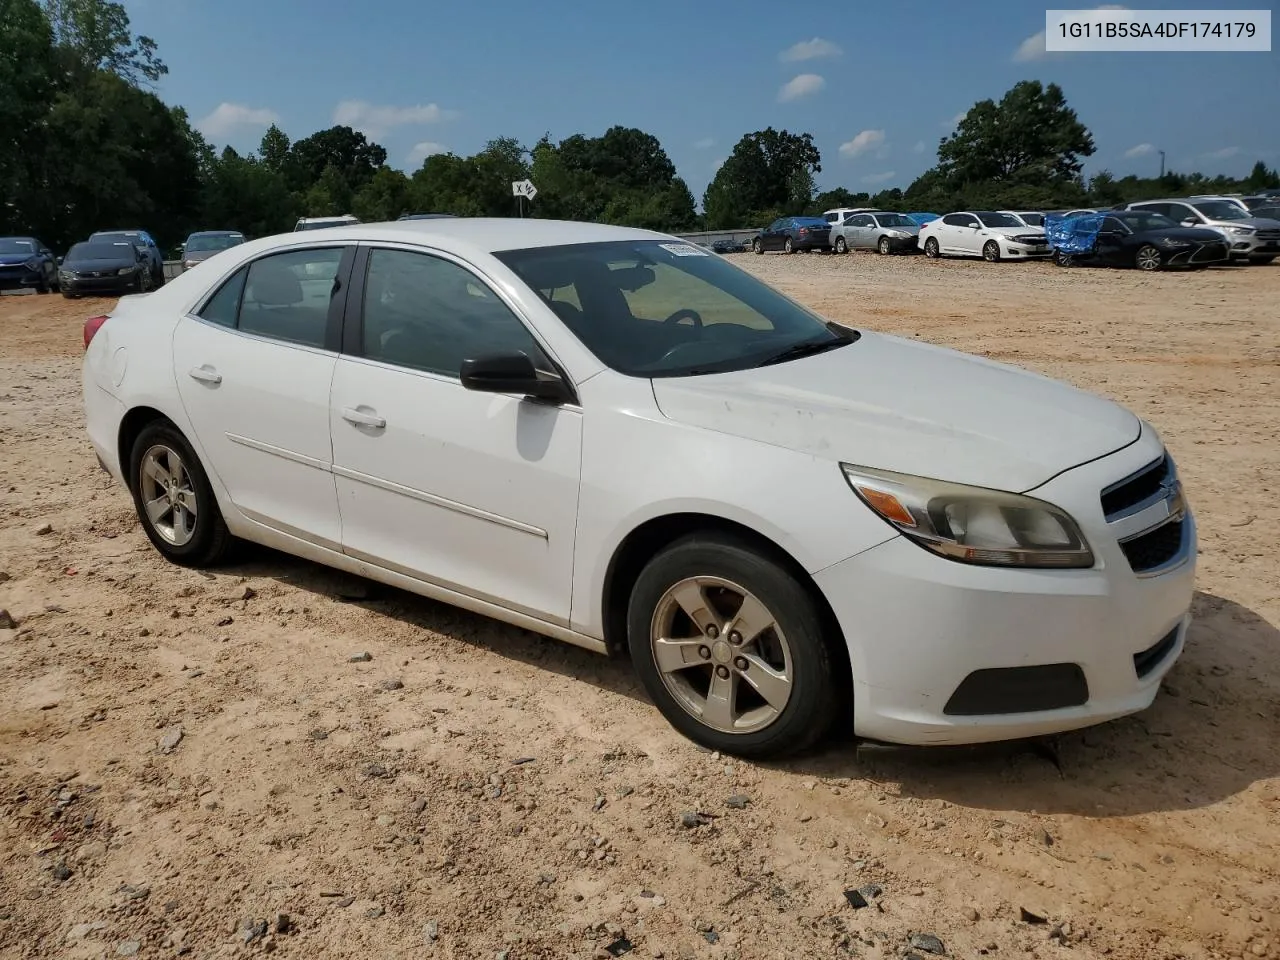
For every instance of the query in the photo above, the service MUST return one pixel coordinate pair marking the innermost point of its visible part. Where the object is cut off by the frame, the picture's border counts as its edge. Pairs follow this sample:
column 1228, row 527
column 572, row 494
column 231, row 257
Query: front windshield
column 894, row 220
column 217, row 241
column 16, row 245
column 653, row 308
column 1032, row 219
column 1220, row 210
column 1000, row 220
column 99, row 251
column 1137, row 222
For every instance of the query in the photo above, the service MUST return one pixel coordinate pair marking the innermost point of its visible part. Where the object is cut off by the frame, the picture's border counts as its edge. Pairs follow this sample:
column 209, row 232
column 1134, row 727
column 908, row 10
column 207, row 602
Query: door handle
column 362, row 419
column 205, row 374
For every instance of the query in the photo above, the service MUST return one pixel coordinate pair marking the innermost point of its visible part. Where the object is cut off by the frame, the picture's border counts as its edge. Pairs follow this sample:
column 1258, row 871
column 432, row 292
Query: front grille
column 1133, row 490
column 1150, row 658
column 1155, row 548
column 1032, row 239
column 1210, row 251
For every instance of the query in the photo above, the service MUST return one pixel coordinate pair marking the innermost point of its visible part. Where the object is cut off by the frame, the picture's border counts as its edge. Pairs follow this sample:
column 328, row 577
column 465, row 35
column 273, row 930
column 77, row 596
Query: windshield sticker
column 684, row 250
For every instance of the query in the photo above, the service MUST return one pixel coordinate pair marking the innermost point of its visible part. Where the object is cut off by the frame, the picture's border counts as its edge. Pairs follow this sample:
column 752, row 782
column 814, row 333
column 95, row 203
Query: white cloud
column 919, row 147
column 814, row 49
column 706, row 143
column 1141, row 150
column 804, row 85
column 1033, row 48
column 885, row 177
column 1226, row 153
column 861, row 143
column 227, row 118
column 375, row 120
column 423, row 150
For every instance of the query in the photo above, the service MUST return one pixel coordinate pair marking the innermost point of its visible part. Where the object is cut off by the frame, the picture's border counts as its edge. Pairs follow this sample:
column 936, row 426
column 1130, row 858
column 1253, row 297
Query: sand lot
column 189, row 763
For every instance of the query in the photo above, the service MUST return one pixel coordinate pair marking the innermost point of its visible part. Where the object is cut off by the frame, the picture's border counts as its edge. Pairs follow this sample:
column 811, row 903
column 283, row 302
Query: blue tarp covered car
column 1073, row 235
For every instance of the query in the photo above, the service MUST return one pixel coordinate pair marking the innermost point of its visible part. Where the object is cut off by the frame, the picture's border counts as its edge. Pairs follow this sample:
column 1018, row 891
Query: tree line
column 85, row 144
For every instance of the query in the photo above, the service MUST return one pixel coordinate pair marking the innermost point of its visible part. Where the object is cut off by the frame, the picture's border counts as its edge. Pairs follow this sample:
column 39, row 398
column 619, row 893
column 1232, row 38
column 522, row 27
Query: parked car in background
column 921, row 218
column 27, row 264
column 203, row 244
column 144, row 241
column 423, row 216
column 321, row 223
column 1268, row 212
column 839, row 214
column 930, row 547
column 881, row 231
column 728, row 246
column 983, row 233
column 1252, row 238
column 1032, row 218
column 791, row 234
column 1080, row 212
column 105, row 267
column 1146, row 240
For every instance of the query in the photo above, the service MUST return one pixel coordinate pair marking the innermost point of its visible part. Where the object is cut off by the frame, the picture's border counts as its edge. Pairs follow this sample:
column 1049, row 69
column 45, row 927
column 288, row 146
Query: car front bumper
column 1025, row 251
column 950, row 653
column 898, row 244
column 19, row 278
column 92, row 285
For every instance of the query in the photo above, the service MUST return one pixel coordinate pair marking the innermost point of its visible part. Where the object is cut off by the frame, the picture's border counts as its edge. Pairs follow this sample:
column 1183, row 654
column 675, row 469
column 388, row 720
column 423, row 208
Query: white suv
column 1256, row 239
column 319, row 223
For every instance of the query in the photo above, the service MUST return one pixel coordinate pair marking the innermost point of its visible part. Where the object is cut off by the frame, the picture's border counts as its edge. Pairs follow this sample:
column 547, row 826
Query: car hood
column 899, row 405
column 79, row 266
column 1016, row 231
column 198, row 255
column 12, row 259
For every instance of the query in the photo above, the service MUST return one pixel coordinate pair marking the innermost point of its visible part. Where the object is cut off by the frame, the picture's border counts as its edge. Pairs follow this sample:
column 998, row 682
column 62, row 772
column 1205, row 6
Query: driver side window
column 427, row 313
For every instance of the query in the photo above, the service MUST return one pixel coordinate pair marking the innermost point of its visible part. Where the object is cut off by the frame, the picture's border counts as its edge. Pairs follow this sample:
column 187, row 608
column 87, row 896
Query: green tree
column 1261, row 177
column 769, row 171
column 96, row 35
column 243, row 193
column 345, row 151
column 331, row 195
column 26, row 87
column 1030, row 134
column 384, row 197
column 274, row 149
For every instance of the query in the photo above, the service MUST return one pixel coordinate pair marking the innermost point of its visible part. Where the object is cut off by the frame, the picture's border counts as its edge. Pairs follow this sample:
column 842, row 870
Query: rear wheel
column 732, row 648
column 787, row 247
column 173, row 498
column 991, row 252
column 757, row 246
column 1148, row 257
column 931, row 248
column 841, row 246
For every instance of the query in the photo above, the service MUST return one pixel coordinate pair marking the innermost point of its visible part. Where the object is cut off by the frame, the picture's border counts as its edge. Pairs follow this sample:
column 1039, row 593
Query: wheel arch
column 644, row 542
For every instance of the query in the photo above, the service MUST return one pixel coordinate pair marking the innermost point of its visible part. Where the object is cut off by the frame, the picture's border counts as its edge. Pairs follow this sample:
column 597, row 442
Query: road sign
column 523, row 188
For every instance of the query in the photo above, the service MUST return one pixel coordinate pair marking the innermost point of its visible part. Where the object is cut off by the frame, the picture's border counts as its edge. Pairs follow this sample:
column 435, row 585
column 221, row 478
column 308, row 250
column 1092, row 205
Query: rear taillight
column 92, row 326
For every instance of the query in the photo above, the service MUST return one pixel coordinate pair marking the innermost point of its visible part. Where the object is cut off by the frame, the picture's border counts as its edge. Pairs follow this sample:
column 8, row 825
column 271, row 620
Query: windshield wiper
column 805, row 348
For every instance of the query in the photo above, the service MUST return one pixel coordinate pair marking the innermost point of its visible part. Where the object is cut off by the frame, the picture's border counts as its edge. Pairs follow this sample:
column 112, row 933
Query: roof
column 216, row 233
column 486, row 234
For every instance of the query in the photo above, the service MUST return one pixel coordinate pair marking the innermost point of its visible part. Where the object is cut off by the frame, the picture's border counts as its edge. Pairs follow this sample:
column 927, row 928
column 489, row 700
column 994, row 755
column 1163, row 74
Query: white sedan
column 617, row 439
column 988, row 234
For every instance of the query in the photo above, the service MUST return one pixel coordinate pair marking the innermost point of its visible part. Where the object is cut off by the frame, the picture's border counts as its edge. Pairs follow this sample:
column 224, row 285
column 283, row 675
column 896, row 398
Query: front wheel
column 991, row 252
column 787, row 247
column 757, row 246
column 931, row 248
column 732, row 648
column 884, row 247
column 174, row 500
column 1148, row 257
column 841, row 246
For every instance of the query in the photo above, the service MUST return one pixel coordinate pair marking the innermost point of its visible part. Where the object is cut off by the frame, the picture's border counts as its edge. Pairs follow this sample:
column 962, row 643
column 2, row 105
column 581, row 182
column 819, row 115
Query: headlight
column 972, row 524
column 1245, row 231
column 1174, row 242
column 125, row 271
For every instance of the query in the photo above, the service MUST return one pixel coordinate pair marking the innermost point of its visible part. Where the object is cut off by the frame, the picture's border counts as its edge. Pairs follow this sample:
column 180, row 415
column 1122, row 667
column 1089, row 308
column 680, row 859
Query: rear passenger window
column 286, row 295
column 225, row 304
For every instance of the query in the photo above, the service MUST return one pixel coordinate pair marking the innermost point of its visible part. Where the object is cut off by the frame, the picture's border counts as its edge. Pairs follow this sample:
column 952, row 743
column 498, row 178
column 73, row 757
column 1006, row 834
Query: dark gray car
column 203, row 244
column 98, row 267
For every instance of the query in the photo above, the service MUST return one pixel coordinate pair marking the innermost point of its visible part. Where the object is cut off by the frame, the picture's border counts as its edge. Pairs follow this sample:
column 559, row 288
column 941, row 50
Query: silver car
column 1256, row 239
column 879, row 230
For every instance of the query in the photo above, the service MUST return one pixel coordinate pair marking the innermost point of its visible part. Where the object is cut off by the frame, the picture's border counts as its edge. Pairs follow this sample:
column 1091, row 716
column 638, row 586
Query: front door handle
column 362, row 419
column 205, row 374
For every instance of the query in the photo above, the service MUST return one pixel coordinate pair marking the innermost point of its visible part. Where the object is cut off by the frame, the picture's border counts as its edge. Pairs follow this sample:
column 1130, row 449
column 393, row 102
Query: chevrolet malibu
column 618, row 439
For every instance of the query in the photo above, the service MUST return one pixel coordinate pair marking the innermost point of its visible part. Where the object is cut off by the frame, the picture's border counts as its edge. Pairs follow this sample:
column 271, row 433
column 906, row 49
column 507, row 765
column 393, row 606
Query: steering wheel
column 685, row 314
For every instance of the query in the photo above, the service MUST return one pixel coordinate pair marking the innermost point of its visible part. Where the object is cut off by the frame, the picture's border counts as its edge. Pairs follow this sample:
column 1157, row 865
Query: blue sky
column 876, row 84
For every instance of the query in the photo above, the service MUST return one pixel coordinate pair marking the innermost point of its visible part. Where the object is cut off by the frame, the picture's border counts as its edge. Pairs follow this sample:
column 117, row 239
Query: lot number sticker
column 684, row 250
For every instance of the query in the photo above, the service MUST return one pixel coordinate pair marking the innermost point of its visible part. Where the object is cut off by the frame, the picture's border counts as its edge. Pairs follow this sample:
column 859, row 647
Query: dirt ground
column 191, row 763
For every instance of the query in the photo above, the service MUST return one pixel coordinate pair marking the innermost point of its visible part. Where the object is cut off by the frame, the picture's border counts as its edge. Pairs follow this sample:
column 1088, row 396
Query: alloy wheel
column 721, row 654
column 168, row 494
column 1148, row 258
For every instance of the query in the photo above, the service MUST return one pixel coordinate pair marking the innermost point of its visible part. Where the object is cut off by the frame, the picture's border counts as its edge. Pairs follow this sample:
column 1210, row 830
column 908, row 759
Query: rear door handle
column 205, row 374
column 362, row 419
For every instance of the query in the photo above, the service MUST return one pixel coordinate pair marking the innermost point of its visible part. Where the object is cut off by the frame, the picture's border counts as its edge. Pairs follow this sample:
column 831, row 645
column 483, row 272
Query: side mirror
column 511, row 373
column 59, row 261
column 1190, row 223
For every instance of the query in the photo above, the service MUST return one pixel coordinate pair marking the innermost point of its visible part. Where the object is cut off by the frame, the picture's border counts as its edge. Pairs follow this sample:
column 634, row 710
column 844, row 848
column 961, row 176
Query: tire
column 757, row 246
column 44, row 286
column 884, row 247
column 70, row 296
column 207, row 539
column 931, row 248
column 1148, row 258
column 787, row 246
column 841, row 246
column 991, row 252
column 729, row 567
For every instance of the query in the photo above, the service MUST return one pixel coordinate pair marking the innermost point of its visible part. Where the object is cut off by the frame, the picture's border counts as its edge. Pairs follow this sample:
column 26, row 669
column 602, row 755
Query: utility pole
column 1161, row 164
